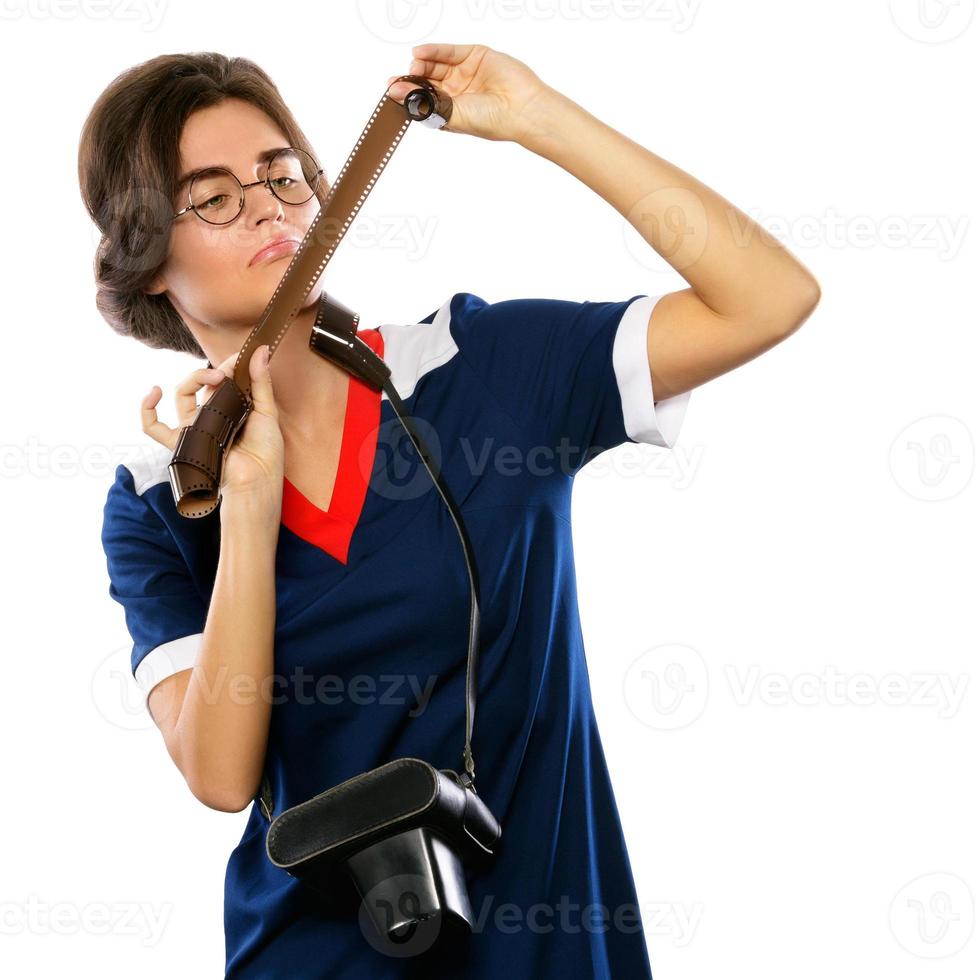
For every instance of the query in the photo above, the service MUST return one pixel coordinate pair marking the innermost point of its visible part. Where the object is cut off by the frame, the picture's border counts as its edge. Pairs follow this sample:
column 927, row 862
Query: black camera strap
column 334, row 337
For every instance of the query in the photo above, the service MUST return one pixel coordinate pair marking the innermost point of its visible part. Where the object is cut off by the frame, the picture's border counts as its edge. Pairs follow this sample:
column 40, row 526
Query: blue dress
column 372, row 607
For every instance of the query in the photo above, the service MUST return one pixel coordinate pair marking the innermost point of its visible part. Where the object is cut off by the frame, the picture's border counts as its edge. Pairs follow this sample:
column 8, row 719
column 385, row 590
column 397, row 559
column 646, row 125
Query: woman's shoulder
column 414, row 349
column 145, row 467
column 140, row 498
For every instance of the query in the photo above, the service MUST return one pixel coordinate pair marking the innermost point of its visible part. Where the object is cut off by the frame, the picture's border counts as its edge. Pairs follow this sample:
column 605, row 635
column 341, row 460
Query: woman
column 275, row 634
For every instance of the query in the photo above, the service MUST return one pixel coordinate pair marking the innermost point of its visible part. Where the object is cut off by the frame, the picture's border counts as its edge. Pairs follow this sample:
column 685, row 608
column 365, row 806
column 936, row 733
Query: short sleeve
column 165, row 613
column 569, row 370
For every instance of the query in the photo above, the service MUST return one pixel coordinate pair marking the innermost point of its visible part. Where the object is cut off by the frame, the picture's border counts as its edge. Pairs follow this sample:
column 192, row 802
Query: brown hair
column 128, row 169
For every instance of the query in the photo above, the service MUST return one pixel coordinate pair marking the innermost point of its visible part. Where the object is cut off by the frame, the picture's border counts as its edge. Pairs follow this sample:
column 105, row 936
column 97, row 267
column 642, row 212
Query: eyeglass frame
column 244, row 187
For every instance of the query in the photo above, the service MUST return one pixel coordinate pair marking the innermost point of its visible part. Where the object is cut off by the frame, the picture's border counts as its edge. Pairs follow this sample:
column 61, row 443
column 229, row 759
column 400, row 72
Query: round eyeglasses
column 217, row 196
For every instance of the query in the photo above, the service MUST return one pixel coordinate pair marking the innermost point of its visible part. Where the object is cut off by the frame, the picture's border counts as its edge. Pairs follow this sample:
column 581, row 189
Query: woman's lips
column 275, row 251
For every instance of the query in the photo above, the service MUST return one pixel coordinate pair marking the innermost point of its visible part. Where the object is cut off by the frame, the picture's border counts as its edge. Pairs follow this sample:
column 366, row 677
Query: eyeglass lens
column 218, row 196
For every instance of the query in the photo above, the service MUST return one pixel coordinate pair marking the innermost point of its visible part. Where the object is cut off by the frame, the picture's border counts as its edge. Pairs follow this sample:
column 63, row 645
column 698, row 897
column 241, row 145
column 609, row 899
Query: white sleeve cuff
column 166, row 659
column 657, row 423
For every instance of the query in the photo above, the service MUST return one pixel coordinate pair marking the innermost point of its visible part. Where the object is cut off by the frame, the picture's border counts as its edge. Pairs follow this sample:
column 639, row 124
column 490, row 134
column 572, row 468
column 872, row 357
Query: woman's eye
column 279, row 181
column 210, row 201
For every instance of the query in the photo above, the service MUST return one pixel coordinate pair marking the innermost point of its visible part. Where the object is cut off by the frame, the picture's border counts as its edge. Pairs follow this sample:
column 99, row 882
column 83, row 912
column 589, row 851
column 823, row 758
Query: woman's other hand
column 254, row 463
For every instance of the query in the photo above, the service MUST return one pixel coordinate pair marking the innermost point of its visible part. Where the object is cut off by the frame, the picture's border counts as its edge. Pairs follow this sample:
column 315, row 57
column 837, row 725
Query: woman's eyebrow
column 263, row 157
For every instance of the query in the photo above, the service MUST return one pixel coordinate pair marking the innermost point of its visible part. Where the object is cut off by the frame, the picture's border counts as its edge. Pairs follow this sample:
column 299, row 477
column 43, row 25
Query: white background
column 777, row 613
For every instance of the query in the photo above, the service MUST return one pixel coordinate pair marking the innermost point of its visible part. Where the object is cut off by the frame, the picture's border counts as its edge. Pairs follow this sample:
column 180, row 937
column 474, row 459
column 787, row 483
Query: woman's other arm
column 215, row 716
column 747, row 292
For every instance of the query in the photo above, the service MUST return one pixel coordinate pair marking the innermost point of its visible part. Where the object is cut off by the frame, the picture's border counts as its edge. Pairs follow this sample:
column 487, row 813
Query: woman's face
column 209, row 275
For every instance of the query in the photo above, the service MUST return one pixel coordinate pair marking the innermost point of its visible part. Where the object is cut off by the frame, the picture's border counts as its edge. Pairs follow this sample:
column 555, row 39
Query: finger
column 185, row 397
column 440, row 58
column 263, row 399
column 227, row 366
column 398, row 90
column 152, row 426
column 432, row 61
column 226, row 369
column 432, row 70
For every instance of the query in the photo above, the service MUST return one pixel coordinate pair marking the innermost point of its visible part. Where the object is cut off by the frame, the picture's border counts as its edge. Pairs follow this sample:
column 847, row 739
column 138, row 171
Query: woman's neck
column 310, row 391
